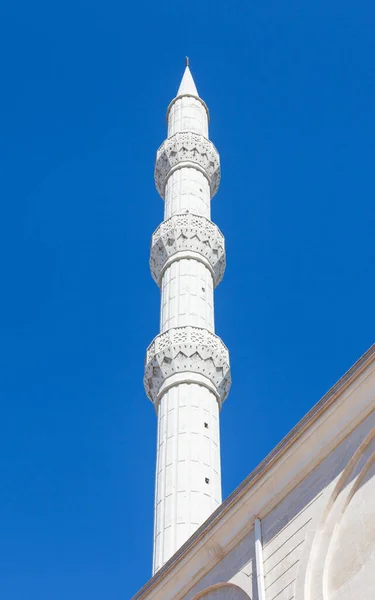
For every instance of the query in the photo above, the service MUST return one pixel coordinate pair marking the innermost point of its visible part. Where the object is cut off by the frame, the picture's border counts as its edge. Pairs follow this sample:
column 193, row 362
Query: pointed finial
column 187, row 85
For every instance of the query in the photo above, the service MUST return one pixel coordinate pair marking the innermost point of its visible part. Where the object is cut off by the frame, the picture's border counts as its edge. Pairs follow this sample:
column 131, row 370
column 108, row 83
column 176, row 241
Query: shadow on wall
column 344, row 547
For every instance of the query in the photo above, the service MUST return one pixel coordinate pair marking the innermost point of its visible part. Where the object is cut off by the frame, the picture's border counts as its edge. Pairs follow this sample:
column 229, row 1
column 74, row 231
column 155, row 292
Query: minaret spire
column 187, row 374
column 187, row 85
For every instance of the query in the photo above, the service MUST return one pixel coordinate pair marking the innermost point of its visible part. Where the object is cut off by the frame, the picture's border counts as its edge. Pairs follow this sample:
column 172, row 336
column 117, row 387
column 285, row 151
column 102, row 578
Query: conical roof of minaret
column 187, row 85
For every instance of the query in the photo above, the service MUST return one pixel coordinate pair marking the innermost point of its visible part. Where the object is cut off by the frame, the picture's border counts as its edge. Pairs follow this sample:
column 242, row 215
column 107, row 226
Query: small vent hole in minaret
column 207, row 480
column 206, row 425
column 203, row 289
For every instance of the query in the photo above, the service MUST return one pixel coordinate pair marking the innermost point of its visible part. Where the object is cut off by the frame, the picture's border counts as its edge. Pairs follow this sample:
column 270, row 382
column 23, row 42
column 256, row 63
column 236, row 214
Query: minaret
column 187, row 374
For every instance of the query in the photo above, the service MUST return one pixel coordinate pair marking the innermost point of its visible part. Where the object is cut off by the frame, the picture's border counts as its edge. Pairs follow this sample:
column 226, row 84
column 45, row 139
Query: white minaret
column 187, row 373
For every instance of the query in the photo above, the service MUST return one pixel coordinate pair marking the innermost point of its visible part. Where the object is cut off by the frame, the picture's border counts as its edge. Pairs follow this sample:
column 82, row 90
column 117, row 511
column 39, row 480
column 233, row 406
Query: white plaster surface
column 351, row 572
column 237, row 567
column 187, row 296
column 342, row 558
column 188, row 454
column 187, row 114
column 187, row 189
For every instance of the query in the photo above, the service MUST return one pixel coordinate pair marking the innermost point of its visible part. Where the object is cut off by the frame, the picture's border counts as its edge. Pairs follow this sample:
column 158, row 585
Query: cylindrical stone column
column 187, row 374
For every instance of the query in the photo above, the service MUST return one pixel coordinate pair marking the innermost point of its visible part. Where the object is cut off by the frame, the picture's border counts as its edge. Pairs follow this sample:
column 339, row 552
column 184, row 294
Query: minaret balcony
column 187, row 235
column 187, row 149
column 187, row 355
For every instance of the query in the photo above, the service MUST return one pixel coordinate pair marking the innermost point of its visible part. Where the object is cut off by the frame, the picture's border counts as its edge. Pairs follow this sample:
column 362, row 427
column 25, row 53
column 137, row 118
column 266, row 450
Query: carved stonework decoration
column 188, row 232
column 187, row 350
column 190, row 148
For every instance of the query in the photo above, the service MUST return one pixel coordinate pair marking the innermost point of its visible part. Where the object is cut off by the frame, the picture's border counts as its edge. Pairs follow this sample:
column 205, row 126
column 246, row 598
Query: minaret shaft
column 188, row 455
column 187, row 366
column 187, row 296
column 188, row 114
column 187, row 189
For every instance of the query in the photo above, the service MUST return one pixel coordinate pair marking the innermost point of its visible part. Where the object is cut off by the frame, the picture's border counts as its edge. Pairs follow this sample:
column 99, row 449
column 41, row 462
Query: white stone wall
column 188, row 484
column 284, row 534
column 187, row 296
column 350, row 569
column 187, row 189
column 341, row 561
column 187, row 114
column 236, row 567
column 291, row 533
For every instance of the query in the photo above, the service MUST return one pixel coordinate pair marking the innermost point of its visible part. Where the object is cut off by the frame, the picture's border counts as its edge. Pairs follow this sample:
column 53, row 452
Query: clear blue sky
column 85, row 86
